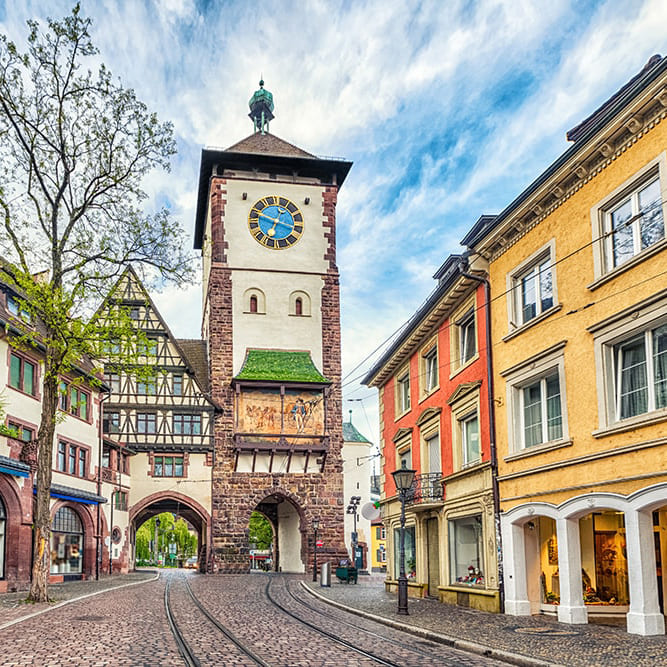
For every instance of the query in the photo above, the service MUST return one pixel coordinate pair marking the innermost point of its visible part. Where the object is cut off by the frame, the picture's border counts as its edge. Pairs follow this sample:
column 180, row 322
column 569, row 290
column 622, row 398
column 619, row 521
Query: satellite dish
column 370, row 512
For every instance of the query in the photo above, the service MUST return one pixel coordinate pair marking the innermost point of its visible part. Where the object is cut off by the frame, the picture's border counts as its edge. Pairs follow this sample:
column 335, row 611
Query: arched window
column 299, row 304
column 3, row 528
column 254, row 301
column 66, row 542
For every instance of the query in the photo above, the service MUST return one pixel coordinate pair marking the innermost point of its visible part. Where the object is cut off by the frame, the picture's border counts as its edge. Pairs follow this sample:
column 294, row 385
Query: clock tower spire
column 261, row 109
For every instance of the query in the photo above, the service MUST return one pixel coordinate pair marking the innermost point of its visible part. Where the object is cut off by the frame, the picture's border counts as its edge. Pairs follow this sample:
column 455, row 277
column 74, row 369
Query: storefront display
column 465, row 552
column 66, row 542
column 410, row 553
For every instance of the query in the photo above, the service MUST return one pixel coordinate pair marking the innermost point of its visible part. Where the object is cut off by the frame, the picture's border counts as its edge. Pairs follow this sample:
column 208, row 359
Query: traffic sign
column 320, row 543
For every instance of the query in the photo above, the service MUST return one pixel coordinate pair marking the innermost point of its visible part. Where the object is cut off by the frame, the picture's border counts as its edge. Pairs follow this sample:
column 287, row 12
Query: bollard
column 325, row 575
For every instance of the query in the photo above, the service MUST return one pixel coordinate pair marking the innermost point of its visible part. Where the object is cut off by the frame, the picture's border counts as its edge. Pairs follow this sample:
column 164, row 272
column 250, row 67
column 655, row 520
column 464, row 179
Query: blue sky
column 448, row 109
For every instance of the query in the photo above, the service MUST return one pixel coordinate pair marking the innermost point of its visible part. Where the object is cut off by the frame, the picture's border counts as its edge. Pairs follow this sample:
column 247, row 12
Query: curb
column 80, row 597
column 461, row 644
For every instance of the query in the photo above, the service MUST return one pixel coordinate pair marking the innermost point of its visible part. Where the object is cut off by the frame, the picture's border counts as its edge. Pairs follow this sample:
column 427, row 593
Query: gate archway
column 179, row 505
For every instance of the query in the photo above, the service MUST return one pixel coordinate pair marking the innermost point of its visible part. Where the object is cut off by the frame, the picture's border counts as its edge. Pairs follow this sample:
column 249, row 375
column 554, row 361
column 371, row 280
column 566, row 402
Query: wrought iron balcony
column 426, row 488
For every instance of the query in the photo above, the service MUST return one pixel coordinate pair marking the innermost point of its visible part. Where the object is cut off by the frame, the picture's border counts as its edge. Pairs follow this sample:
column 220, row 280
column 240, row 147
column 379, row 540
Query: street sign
column 320, row 543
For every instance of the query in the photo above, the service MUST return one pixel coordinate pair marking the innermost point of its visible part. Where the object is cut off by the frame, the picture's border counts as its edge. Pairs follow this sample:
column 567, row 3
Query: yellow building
column 378, row 546
column 578, row 268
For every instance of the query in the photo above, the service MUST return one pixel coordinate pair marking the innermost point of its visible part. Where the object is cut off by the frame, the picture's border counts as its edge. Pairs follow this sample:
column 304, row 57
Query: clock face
column 275, row 222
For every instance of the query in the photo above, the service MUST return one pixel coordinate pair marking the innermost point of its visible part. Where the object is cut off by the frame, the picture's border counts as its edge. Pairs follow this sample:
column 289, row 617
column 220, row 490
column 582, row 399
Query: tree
column 74, row 149
column 260, row 531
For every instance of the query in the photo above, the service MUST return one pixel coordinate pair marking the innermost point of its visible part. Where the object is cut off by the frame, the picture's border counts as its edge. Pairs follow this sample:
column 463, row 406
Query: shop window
column 168, row 466
column 187, row 424
column 604, row 565
column 66, row 542
column 22, row 374
column 177, row 384
column 548, row 544
column 146, row 423
column 466, row 552
column 409, row 550
column 3, row 530
column 403, row 392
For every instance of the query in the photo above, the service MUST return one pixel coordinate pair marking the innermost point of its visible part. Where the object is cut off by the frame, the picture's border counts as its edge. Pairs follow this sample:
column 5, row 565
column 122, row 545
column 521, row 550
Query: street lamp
column 352, row 509
column 403, row 479
column 316, row 525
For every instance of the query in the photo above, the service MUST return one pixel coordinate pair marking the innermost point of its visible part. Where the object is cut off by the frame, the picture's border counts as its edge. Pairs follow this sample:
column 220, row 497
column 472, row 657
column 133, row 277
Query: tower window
column 298, row 306
column 253, row 304
column 254, row 301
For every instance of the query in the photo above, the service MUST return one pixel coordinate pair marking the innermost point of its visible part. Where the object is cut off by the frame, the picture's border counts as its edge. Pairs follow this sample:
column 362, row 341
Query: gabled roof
column 267, row 144
column 280, row 366
column 196, row 353
column 351, row 434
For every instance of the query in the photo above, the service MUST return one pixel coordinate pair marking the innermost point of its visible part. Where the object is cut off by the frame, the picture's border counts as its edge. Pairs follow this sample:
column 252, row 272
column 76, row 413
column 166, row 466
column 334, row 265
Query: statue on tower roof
column 261, row 109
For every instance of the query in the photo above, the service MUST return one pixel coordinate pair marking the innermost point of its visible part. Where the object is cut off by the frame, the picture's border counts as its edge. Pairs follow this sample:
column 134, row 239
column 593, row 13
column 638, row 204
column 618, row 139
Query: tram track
column 185, row 647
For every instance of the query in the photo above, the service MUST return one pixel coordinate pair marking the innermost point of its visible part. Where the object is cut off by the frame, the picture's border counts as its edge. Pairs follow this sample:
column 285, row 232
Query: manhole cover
column 545, row 631
column 90, row 618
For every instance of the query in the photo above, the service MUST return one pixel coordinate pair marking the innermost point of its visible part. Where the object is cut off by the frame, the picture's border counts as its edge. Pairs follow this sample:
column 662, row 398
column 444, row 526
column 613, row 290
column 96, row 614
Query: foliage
column 260, row 532
column 75, row 147
column 171, row 531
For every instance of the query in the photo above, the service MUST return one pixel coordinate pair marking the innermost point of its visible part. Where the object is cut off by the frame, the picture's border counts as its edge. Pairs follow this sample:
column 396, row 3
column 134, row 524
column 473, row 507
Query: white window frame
column 543, row 258
column 536, row 368
column 403, row 391
column 463, row 422
column 544, row 417
column 460, row 321
column 463, row 408
column 430, row 375
column 607, row 336
column 599, row 213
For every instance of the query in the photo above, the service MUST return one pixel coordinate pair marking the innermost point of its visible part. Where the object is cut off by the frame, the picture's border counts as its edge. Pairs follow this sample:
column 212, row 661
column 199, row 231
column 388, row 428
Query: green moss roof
column 279, row 366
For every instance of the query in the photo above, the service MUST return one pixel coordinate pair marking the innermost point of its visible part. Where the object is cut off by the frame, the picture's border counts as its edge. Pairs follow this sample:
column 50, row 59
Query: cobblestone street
column 126, row 624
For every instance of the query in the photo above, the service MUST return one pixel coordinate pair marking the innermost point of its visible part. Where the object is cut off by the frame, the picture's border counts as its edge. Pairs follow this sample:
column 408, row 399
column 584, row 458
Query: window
column 24, row 433
column 111, row 422
column 641, row 373
column 536, row 399
column 21, row 374
column 298, row 306
column 72, row 459
column 120, row 500
column 106, row 457
column 168, row 466
column 467, row 337
column 125, row 464
column 146, row 386
column 254, row 301
column 134, row 313
column 148, row 348
column 469, row 426
column 253, row 304
column 466, row 552
column 113, row 382
column 533, row 291
column 73, row 400
column 542, row 419
column 410, row 553
column 177, row 385
column 403, row 392
column 634, row 223
column 66, row 542
column 187, row 424
column 380, row 533
column 405, row 458
column 428, row 363
column 3, row 528
column 16, row 309
column 146, row 422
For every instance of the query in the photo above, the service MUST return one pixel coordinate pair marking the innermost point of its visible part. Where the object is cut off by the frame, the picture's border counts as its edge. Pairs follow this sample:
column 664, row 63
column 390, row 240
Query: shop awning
column 13, row 467
column 75, row 495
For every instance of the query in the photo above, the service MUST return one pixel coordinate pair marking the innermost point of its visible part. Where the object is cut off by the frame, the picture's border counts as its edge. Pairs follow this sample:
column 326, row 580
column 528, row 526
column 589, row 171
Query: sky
column 448, row 110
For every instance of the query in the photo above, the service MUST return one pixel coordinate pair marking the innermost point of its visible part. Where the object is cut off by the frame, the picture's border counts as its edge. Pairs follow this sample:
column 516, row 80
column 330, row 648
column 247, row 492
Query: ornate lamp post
column 403, row 479
column 316, row 525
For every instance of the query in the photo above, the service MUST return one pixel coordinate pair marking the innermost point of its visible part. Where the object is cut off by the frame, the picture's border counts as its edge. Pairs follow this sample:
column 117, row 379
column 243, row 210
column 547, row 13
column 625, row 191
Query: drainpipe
column 492, row 423
column 98, row 545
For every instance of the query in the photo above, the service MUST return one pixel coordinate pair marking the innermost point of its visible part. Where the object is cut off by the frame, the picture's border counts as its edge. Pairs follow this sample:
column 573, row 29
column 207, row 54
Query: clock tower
column 266, row 227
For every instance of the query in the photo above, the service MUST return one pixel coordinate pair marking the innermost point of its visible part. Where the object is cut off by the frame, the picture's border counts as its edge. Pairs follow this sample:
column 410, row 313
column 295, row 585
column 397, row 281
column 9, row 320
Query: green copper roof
column 279, row 366
column 261, row 95
column 350, row 433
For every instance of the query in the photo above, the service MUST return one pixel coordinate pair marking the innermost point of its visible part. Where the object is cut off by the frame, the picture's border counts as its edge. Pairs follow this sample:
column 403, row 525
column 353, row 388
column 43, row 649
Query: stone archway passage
column 288, row 542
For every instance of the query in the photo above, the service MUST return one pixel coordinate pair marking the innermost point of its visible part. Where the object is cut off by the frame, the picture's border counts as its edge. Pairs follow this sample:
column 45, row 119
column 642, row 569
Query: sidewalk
column 13, row 605
column 521, row 640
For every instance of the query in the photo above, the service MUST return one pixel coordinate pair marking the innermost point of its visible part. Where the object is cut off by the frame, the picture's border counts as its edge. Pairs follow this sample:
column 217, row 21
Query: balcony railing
column 426, row 488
